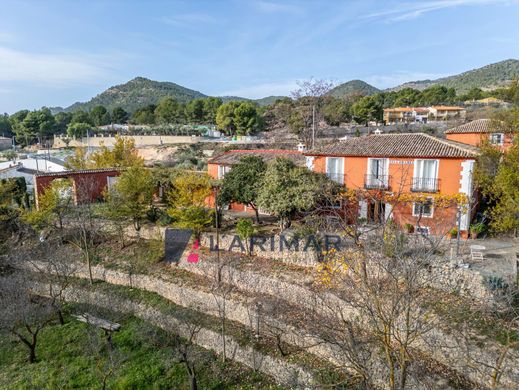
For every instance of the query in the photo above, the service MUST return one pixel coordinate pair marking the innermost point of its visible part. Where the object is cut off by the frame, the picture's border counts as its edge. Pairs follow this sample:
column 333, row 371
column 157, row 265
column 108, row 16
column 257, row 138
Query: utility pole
column 313, row 126
column 217, row 223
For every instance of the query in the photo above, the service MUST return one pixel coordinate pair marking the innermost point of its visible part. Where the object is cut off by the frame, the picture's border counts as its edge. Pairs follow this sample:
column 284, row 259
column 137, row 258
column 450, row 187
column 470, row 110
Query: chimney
column 301, row 147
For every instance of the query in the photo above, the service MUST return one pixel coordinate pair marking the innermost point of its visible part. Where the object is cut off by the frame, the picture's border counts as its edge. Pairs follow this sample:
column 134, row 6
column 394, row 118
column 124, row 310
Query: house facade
column 405, row 115
column 219, row 165
column 418, row 168
column 480, row 130
column 444, row 113
column 88, row 185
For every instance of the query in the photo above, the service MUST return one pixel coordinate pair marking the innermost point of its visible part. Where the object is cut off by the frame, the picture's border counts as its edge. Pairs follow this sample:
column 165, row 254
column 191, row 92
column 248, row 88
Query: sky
column 54, row 53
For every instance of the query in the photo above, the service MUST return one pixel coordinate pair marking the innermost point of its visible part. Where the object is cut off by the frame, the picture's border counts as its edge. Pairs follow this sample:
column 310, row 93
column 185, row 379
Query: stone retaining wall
column 283, row 372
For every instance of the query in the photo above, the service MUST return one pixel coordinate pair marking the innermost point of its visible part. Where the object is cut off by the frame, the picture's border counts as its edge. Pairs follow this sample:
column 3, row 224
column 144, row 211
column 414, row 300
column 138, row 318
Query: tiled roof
column 233, row 156
column 448, row 108
column 477, row 126
column 79, row 171
column 397, row 145
column 406, row 109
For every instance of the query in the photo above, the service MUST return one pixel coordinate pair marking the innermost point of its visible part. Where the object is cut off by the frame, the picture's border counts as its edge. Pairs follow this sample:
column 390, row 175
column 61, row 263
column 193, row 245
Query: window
column 421, row 230
column 222, row 170
column 334, row 169
column 424, row 209
column 497, row 138
column 377, row 173
column 111, row 180
column 425, row 176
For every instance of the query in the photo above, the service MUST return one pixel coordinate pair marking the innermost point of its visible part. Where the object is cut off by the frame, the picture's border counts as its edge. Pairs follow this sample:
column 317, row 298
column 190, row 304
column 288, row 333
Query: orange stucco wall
column 212, row 170
column 401, row 171
column 475, row 139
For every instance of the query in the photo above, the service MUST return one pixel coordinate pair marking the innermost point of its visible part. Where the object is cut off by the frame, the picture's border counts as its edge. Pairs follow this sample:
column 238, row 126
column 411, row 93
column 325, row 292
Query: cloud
column 263, row 90
column 394, row 79
column 273, row 7
column 408, row 10
column 54, row 69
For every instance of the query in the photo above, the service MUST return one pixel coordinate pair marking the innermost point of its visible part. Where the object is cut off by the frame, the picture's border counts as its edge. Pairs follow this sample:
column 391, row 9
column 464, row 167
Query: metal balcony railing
column 337, row 177
column 376, row 182
column 425, row 184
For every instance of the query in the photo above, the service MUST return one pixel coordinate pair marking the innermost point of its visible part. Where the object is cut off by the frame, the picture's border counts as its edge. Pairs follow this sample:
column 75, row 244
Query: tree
column 242, row 183
column 78, row 129
column 195, row 111
column 144, row 116
column 498, row 176
column 119, row 115
column 225, row 117
column 211, row 105
column 287, row 189
column 132, row 195
column 309, row 97
column 53, row 204
column 100, row 116
column 186, row 201
column 245, row 230
column 369, row 108
column 168, row 111
column 246, row 119
column 78, row 160
column 336, row 111
column 81, row 117
column 5, row 126
column 16, row 121
column 123, row 154
column 62, row 121
column 23, row 314
column 37, row 125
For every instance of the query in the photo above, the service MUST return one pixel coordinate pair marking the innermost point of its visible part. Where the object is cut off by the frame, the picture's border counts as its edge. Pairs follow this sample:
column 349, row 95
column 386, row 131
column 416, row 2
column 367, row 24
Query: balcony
column 424, row 184
column 376, row 182
column 336, row 177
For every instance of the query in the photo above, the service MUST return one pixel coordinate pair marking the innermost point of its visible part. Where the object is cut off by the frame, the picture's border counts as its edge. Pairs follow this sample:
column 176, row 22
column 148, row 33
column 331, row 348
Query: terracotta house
column 88, row 185
column 476, row 132
column 219, row 165
column 405, row 115
column 395, row 164
column 443, row 113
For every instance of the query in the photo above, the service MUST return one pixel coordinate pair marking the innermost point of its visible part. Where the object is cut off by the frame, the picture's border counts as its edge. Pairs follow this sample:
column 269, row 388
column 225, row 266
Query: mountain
column 137, row 93
column 141, row 91
column 488, row 77
column 353, row 87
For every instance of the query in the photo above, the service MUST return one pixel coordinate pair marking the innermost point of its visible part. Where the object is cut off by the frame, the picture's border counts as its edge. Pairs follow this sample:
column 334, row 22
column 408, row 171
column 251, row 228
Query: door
column 377, row 173
column 376, row 212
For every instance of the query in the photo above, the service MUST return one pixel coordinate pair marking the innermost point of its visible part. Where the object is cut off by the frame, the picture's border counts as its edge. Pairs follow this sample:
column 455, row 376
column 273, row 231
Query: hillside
column 137, row 93
column 353, row 87
column 488, row 77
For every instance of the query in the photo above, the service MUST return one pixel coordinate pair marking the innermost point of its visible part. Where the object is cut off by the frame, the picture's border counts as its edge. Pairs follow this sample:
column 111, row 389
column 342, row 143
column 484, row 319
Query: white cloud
column 408, row 10
column 394, row 79
column 263, row 90
column 274, row 7
column 55, row 69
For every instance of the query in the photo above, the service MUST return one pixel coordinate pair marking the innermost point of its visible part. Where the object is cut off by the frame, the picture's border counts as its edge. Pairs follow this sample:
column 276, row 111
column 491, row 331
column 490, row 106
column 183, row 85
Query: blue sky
column 54, row 53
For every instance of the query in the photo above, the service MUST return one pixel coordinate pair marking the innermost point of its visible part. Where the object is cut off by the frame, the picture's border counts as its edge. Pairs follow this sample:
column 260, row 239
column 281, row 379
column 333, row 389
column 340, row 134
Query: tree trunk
column 256, row 212
column 60, row 316
column 192, row 379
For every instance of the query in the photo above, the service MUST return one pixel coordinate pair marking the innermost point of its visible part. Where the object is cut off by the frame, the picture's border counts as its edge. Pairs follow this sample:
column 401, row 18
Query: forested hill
column 137, row 93
column 353, row 87
column 488, row 77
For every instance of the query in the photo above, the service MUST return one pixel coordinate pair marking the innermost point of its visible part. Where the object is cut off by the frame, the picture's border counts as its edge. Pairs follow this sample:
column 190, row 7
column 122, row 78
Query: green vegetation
column 487, row 77
column 353, row 87
column 65, row 361
column 132, row 94
column 242, row 183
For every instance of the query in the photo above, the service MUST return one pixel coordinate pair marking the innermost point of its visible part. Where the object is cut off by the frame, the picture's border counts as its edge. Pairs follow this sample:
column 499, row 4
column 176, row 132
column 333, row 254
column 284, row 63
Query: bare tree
column 307, row 113
column 23, row 314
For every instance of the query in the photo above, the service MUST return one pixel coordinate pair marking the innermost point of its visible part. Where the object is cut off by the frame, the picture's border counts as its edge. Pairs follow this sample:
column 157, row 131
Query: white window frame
column 426, row 228
column 340, row 174
column 386, row 169
column 431, row 215
column 415, row 175
column 222, row 170
column 110, row 181
column 491, row 138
